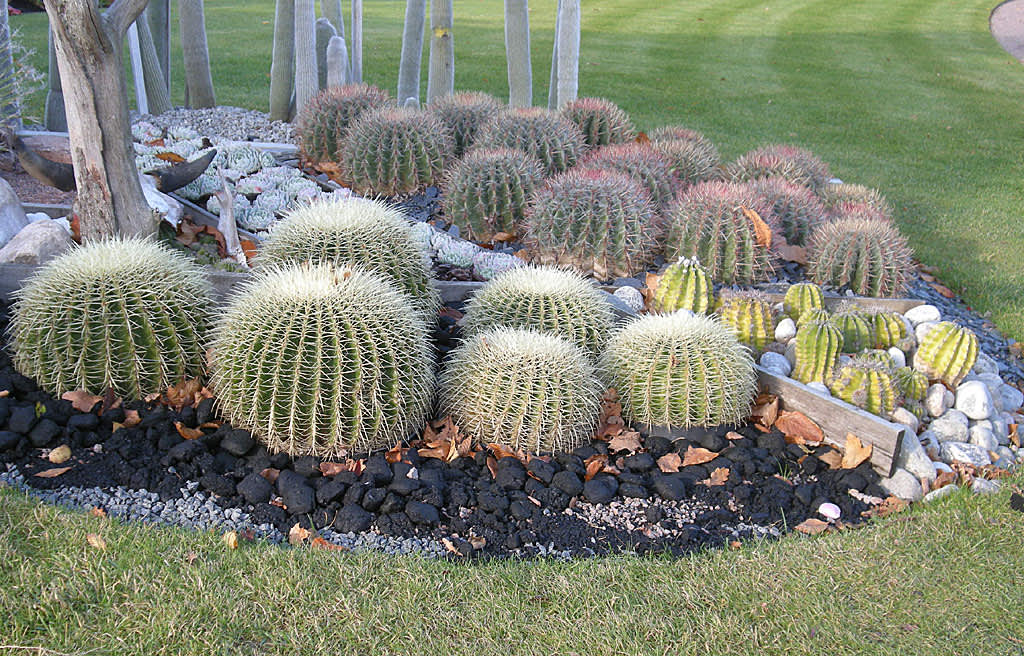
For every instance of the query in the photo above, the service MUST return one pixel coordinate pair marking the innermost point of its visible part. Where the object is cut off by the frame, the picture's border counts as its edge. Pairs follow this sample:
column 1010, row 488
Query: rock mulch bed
column 224, row 122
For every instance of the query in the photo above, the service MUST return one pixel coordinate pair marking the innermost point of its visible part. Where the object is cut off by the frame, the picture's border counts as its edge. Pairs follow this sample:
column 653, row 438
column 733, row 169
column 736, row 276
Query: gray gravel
column 226, row 122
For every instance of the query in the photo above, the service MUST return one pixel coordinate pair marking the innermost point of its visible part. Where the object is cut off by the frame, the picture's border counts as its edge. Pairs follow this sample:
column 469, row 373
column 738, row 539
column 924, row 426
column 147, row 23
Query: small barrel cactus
column 789, row 162
column 523, row 388
column 839, row 196
column 553, row 140
column 880, row 357
column 322, row 122
column 601, row 121
column 865, row 385
column 122, row 314
column 947, row 353
column 858, row 333
column 888, row 329
column 488, row 264
column 912, row 385
column 870, row 257
column 813, row 314
column 487, row 191
column 322, row 361
column 393, row 151
column 464, row 114
column 797, row 210
column 685, row 285
column 543, row 298
column 354, row 232
column 818, row 344
column 749, row 316
column 600, row 222
column 680, row 370
column 640, row 162
column 457, row 253
column 711, row 221
column 802, row 297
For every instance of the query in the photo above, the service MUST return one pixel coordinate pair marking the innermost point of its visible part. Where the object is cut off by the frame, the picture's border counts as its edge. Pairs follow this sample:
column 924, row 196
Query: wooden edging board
column 900, row 305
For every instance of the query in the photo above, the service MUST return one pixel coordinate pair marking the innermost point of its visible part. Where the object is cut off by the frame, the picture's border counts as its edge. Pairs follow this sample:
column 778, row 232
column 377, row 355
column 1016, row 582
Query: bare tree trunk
column 441, row 76
column 517, row 53
column 412, row 50
column 158, row 15
column 331, row 10
column 282, row 64
column 198, row 81
column 306, row 83
column 568, row 50
column 88, row 47
column 356, row 60
column 54, row 117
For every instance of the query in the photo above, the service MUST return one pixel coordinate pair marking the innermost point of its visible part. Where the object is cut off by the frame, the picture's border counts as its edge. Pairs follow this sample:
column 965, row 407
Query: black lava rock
column 352, row 519
column 23, row 418
column 45, row 431
column 568, row 482
column 204, row 411
column 237, row 442
column 511, row 475
column 404, row 485
column 639, row 462
column 222, row 486
column 489, row 501
column 545, row 471
column 600, row 489
column 255, row 489
column 422, row 513
column 672, row 487
column 377, row 471
column 83, row 422
column 373, row 499
column 330, row 491
column 8, row 440
column 297, row 495
column 633, row 490
column 307, row 466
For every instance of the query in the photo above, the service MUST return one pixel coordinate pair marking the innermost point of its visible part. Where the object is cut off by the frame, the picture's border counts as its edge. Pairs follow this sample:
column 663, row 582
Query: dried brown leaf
column 762, row 232
column 670, row 463
column 718, row 477
column 492, row 466
column 81, row 400
column 96, row 541
column 625, row 441
column 942, row 289
column 186, row 432
column 297, row 535
column 943, row 479
column 812, row 526
column 855, row 452
column 270, row 474
column 320, row 543
column 131, row 418
column 97, row 512
column 173, row 158
column 832, row 458
column 594, row 464
column 230, row 539
column 696, row 455
column 798, row 428
column 53, row 473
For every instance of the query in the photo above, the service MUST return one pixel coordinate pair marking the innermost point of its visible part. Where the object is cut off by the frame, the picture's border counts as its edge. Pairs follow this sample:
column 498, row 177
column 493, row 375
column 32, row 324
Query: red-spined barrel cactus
column 601, row 121
column 464, row 114
column 546, row 135
column 692, row 156
column 836, row 197
column 797, row 210
column 870, row 257
column 790, row 162
column 641, row 162
column 323, row 120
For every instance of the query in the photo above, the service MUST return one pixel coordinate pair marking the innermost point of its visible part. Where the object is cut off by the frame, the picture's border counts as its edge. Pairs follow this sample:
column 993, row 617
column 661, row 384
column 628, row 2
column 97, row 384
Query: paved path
column 1007, row 25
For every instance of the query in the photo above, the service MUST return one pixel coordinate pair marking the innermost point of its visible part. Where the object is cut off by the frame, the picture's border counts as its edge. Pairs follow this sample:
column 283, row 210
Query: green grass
column 944, row 579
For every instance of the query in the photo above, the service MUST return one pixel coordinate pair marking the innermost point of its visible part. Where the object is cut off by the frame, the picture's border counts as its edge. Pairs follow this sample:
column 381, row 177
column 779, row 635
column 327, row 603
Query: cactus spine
column 749, row 316
column 880, row 357
column 947, row 353
column 487, row 191
column 912, row 385
column 802, row 297
column 865, row 385
column 818, row 343
column 680, row 370
column 868, row 255
column 546, row 135
column 813, row 314
column 685, row 285
column 306, row 82
column 857, row 332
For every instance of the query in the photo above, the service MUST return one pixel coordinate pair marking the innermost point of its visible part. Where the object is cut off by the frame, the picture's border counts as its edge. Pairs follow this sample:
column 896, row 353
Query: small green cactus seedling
column 685, row 285
column 889, row 329
column 465, row 113
column 322, row 122
column 640, row 162
column 797, row 210
column 600, row 120
column 529, row 390
column 749, row 316
column 869, row 256
column 802, row 297
column 912, row 385
column 543, row 298
column 322, row 361
column 555, row 141
column 947, row 353
column 680, row 370
column 818, row 344
column 858, row 333
column 865, row 385
column 123, row 314
column 789, row 162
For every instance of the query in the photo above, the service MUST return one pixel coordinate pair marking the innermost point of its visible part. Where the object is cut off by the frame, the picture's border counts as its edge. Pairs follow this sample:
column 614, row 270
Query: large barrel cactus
column 322, row 361
column 796, row 209
column 123, row 314
column 947, row 353
column 546, row 299
column 601, row 121
column 779, row 160
column 465, row 113
column 640, row 162
column 842, row 197
column 818, row 344
column 599, row 222
column 685, row 285
column 692, row 156
column 354, row 232
column 680, row 370
column 870, row 257
column 522, row 388
column 546, row 135
column 322, row 121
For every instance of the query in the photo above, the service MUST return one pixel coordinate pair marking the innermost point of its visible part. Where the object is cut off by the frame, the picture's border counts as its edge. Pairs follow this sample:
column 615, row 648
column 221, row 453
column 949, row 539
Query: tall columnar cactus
column 441, row 73
column 599, row 222
column 324, row 33
column 865, row 385
column 802, row 297
column 796, row 208
column 836, row 197
column 282, row 63
column 712, row 221
column 790, row 162
column 554, row 140
column 947, row 353
column 517, row 53
column 464, row 114
column 123, row 314
column 912, row 385
column 640, row 162
column 393, row 151
column 749, row 316
column 685, row 285
column 337, row 62
column 601, row 121
column 680, row 370
column 198, row 81
column 487, row 191
column 54, row 117
column 526, row 389
column 354, row 232
column 322, row 361
column 324, row 119
column 547, row 299
column 858, row 333
column 818, row 344
column 870, row 257
column 412, row 50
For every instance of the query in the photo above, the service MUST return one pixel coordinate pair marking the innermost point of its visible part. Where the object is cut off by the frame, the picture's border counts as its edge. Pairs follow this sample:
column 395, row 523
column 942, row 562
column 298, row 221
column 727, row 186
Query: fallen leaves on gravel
column 832, row 458
column 670, row 463
column 329, row 469
column 186, row 432
column 96, row 541
column 765, row 412
column 81, row 400
column 798, row 428
column 855, row 452
column 320, row 543
column 131, row 418
column 60, row 455
column 889, row 506
column 297, row 535
column 718, row 477
column 812, row 526
column 942, row 289
column 627, row 441
column 53, row 473
column 696, row 455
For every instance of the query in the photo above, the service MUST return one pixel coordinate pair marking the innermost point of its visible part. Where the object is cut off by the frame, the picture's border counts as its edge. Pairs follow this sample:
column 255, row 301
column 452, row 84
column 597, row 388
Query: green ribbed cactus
column 888, row 329
column 838, row 197
column 322, row 361
column 322, row 122
column 640, row 162
column 124, row 314
column 546, row 135
column 912, row 385
column 680, row 370
column 865, row 385
column 355, row 232
column 601, row 121
column 546, row 299
column 465, row 113
column 869, row 256
column 802, row 297
column 685, row 285
column 813, row 314
column 857, row 331
column 797, row 210
column 707, row 221
column 749, row 316
column 792, row 163
column 947, row 353
column 818, row 344
column 692, row 156
column 525, row 389
column 880, row 357
column 394, row 151
column 487, row 191
column 599, row 222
